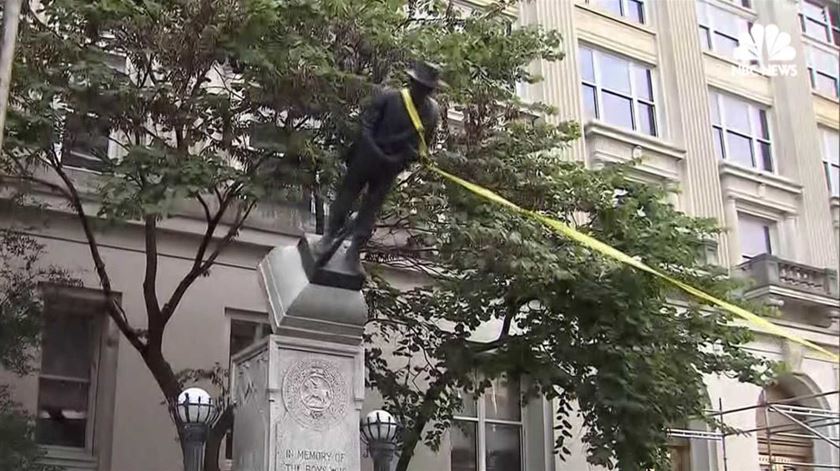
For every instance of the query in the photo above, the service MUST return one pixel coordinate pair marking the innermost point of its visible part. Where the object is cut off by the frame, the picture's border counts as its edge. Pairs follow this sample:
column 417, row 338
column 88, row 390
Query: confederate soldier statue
column 388, row 144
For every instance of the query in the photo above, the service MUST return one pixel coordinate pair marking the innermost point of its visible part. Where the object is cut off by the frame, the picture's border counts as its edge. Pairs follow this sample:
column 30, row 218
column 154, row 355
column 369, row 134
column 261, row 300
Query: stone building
column 753, row 146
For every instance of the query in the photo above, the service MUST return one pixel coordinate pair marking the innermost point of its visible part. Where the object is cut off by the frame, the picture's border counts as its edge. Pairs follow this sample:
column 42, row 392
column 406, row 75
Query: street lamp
column 379, row 431
column 194, row 412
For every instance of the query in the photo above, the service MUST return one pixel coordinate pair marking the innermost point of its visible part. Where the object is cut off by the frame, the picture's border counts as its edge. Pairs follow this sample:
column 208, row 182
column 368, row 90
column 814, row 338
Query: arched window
column 782, row 444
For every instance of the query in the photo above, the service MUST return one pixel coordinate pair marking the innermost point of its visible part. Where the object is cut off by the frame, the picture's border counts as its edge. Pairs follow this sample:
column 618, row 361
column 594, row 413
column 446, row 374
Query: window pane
column 718, row 137
column 725, row 45
column 813, row 10
column 67, row 346
column 469, row 407
column 501, row 400
column 613, row 6
column 615, row 73
column 503, row 447
column 647, row 119
column 590, row 108
column 617, row 110
column 754, row 235
column 463, row 451
column 242, row 335
column 726, row 22
column 759, row 118
column 714, row 108
column 62, row 413
column 705, row 38
column 765, row 157
column 823, row 61
column 85, row 135
column 831, row 146
column 825, row 84
column 737, row 114
column 636, row 11
column 816, row 30
column 644, row 84
column 587, row 71
column 702, row 17
column 739, row 149
column 832, row 178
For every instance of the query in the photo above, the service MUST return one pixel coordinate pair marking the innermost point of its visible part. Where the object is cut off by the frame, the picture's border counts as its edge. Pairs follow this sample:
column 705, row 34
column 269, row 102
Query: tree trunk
column 427, row 408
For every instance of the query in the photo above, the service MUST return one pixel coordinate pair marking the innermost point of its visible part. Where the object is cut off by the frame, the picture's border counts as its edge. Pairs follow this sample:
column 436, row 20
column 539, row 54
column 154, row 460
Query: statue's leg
column 371, row 204
column 352, row 184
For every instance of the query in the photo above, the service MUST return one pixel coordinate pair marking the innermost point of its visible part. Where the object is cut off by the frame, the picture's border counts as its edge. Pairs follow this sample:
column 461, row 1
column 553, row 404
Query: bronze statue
column 388, row 144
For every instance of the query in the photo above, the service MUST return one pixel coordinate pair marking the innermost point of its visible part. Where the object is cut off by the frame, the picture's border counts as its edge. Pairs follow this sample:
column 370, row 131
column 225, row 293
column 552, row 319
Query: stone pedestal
column 299, row 392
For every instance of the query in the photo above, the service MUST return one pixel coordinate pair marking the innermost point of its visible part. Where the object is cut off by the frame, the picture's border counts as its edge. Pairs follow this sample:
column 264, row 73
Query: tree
column 21, row 307
column 206, row 78
column 627, row 348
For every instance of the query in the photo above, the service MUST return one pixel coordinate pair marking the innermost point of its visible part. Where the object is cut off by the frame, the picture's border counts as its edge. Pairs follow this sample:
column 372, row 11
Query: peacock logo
column 765, row 50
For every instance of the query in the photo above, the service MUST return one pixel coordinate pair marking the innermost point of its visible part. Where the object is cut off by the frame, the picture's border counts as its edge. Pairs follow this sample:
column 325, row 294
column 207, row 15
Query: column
column 684, row 80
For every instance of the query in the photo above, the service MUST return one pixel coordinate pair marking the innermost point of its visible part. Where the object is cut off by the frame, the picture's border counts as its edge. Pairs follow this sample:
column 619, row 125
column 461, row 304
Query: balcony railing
column 769, row 270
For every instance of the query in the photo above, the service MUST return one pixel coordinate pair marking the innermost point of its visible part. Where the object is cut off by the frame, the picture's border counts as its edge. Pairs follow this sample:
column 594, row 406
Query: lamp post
column 379, row 432
column 194, row 412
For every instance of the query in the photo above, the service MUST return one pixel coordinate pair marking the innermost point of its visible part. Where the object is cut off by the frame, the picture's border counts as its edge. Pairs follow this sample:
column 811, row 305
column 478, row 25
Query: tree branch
column 201, row 266
column 115, row 310
column 150, row 279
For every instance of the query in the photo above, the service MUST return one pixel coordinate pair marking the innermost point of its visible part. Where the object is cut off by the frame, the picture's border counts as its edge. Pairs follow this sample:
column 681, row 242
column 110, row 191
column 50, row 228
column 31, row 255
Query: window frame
column 831, row 30
column 623, row 9
column 634, row 97
column 99, row 340
column 813, row 72
column 755, row 131
column 771, row 235
column 482, row 421
column 828, row 165
column 706, row 25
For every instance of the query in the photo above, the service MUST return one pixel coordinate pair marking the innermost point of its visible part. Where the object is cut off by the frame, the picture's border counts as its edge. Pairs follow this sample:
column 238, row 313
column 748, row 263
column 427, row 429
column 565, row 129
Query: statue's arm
column 371, row 114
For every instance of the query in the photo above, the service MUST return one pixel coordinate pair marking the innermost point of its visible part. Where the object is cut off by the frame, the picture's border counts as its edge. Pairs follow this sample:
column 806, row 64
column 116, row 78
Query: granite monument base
column 298, row 393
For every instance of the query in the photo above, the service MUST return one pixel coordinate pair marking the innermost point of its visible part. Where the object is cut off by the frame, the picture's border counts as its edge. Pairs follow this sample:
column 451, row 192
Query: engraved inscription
column 315, row 393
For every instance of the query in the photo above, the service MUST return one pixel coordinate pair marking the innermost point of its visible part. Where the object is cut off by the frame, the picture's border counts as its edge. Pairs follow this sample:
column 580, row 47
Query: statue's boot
column 323, row 246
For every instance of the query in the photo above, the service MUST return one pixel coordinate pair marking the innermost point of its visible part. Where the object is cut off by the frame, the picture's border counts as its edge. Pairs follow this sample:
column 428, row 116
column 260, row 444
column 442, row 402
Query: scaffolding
column 803, row 423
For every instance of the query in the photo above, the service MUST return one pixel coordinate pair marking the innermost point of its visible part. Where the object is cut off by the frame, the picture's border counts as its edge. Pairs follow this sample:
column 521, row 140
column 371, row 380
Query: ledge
column 645, row 49
column 600, row 128
column 71, row 459
column 618, row 19
column 760, row 177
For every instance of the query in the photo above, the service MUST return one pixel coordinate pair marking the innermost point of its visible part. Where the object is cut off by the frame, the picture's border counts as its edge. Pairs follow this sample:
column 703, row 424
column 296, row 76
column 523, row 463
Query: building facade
column 751, row 143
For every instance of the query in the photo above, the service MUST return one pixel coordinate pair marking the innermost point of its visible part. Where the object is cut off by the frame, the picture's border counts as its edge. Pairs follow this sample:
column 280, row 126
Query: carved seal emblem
column 315, row 393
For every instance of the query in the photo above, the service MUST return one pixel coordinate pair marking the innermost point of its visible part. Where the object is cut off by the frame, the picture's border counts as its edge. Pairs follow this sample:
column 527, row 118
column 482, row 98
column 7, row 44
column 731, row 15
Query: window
column 66, row 380
column 741, row 131
column 823, row 69
column 242, row 334
column 831, row 160
column 618, row 91
column 85, row 142
column 632, row 9
column 719, row 28
column 756, row 236
column 819, row 20
column 487, row 434
column 781, row 437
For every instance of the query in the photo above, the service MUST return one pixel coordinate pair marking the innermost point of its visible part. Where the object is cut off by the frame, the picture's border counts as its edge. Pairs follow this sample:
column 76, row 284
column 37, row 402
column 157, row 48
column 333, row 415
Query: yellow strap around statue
column 594, row 244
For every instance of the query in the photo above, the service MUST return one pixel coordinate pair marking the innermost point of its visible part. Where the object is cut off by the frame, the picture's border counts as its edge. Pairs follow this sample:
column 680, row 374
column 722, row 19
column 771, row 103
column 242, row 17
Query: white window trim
column 88, row 302
column 826, row 24
column 810, row 46
column 634, row 100
column 755, row 131
column 481, row 421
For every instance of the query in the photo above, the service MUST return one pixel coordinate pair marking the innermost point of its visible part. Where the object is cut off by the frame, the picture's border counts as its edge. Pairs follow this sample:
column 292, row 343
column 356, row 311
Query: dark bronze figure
column 388, row 144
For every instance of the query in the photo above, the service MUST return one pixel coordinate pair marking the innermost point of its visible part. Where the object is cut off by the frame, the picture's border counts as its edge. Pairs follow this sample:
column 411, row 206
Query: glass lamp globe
column 195, row 406
column 379, row 426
